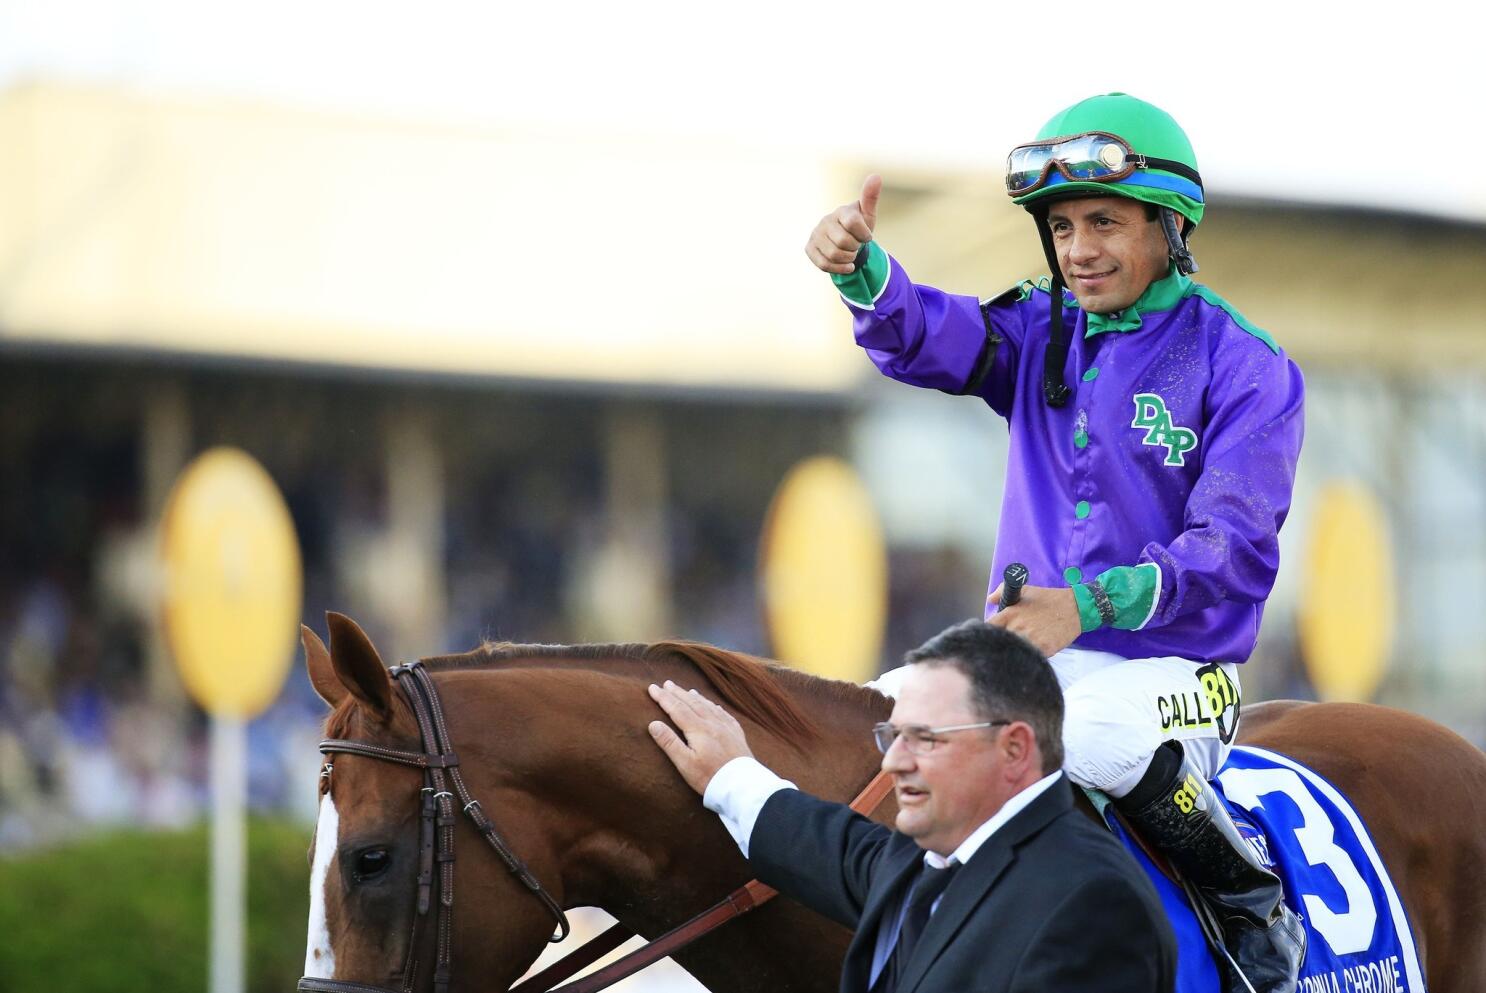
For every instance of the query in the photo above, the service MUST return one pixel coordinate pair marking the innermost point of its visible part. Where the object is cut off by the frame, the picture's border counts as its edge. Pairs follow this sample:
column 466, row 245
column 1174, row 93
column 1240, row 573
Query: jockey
column 1154, row 434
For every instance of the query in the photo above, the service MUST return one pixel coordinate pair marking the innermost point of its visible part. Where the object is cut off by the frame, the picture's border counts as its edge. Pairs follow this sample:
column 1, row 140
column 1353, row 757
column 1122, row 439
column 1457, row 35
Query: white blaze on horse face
column 319, row 960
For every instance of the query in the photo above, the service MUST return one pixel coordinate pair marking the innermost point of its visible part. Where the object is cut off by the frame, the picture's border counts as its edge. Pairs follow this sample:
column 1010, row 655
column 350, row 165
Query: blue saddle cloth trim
column 1360, row 938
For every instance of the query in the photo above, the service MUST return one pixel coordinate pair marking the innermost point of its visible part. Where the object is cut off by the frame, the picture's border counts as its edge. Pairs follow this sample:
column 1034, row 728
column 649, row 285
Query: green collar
column 1163, row 294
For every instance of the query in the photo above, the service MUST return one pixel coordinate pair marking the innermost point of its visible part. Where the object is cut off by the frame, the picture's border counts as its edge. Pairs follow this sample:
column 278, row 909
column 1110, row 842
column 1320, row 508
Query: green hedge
column 128, row 913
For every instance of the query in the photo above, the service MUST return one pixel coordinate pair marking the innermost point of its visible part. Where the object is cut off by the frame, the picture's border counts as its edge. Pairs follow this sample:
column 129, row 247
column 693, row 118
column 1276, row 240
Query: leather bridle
column 440, row 767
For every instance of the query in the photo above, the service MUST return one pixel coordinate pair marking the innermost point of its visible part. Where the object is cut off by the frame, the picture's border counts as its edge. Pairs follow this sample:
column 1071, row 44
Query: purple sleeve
column 1254, row 425
column 925, row 337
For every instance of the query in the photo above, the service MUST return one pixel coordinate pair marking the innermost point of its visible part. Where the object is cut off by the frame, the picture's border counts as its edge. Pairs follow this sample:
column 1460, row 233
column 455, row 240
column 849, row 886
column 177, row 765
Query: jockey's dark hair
column 1009, row 680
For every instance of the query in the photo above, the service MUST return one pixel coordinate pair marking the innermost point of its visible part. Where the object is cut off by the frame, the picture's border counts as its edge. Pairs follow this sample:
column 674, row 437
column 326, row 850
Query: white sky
column 1371, row 104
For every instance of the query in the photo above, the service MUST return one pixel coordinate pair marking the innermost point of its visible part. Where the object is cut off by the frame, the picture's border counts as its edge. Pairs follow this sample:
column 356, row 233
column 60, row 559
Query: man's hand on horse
column 834, row 243
column 1045, row 616
column 713, row 737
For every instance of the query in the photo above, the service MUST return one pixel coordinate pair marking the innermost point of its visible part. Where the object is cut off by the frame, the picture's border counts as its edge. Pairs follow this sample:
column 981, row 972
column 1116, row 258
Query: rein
column 440, row 767
column 737, row 903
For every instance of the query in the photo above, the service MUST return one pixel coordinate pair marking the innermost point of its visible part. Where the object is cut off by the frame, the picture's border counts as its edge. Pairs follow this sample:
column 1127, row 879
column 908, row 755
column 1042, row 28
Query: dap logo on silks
column 1152, row 416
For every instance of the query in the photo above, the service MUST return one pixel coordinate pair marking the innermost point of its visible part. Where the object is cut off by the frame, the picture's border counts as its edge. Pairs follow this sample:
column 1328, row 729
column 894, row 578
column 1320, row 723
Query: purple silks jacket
column 1167, row 474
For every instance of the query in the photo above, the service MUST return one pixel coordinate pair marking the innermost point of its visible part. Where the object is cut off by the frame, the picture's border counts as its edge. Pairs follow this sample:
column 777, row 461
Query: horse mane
column 749, row 684
column 754, row 687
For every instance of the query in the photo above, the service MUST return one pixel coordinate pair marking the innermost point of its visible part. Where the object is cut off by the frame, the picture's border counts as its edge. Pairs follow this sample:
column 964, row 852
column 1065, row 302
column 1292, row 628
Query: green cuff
column 1088, row 611
column 864, row 286
column 1133, row 590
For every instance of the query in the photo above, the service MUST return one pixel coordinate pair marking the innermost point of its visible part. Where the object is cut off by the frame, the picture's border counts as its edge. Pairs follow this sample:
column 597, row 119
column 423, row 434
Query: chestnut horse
column 552, row 742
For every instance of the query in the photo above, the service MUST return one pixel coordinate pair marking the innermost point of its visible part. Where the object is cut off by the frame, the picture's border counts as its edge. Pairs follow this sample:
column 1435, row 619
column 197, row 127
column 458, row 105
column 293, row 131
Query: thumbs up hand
column 834, row 243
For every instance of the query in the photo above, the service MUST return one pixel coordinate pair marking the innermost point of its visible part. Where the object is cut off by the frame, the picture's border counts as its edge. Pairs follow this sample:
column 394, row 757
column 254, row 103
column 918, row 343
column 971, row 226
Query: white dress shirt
column 740, row 789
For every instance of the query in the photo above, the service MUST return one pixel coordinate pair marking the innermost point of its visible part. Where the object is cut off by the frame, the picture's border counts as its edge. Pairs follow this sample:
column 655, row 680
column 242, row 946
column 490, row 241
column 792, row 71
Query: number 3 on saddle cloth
column 1305, row 830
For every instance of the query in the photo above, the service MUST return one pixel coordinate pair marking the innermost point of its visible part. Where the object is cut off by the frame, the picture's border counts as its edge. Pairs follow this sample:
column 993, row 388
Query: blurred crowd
column 95, row 729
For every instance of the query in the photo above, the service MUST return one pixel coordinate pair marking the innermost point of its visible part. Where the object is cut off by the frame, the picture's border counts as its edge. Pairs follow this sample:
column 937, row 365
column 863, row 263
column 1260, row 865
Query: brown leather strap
column 737, row 903
column 420, row 759
column 740, row 901
column 575, row 961
column 873, row 794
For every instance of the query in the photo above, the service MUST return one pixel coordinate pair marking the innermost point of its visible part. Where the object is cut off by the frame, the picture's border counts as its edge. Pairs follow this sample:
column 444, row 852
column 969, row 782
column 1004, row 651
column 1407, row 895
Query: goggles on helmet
column 1091, row 157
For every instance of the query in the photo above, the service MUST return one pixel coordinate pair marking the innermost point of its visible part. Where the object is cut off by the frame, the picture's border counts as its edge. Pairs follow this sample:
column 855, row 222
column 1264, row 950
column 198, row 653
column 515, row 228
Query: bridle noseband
column 440, row 767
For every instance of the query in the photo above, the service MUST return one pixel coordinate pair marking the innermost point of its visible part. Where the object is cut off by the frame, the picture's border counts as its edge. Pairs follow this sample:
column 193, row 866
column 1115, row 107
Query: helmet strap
column 1176, row 243
column 1054, row 390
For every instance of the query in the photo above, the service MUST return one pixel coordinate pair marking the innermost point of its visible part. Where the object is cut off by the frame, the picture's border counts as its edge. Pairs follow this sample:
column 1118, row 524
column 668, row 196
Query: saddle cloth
column 1360, row 939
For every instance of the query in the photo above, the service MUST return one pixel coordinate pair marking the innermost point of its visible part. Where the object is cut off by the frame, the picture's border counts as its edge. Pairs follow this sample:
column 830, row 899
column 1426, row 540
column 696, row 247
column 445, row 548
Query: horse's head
column 381, row 883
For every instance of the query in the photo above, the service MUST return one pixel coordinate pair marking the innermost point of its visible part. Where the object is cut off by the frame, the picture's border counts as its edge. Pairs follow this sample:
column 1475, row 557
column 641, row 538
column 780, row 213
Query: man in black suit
column 992, row 881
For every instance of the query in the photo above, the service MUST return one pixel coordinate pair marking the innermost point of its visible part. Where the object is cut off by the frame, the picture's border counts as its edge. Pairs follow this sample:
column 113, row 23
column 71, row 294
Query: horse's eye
column 371, row 863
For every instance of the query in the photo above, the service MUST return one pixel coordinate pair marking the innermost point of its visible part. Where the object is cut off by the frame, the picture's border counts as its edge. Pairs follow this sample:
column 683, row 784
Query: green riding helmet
column 1148, row 131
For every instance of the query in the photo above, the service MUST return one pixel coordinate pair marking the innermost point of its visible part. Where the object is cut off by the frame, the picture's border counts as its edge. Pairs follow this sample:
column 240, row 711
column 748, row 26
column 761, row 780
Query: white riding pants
column 1117, row 712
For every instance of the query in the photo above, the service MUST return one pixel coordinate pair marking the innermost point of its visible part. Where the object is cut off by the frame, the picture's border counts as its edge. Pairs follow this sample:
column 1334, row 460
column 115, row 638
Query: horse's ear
column 358, row 667
column 321, row 670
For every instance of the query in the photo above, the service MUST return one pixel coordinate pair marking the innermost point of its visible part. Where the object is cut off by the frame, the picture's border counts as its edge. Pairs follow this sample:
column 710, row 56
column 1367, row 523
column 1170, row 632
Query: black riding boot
column 1178, row 812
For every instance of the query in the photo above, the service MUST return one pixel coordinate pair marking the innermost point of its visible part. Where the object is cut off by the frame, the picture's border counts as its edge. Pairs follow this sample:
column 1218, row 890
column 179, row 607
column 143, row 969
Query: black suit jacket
column 1051, row 903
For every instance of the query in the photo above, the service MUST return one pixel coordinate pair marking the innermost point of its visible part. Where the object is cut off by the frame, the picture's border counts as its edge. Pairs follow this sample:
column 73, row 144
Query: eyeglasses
column 1092, row 157
column 917, row 738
